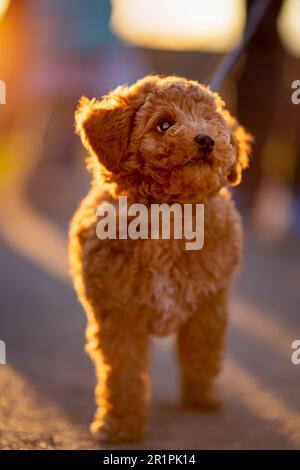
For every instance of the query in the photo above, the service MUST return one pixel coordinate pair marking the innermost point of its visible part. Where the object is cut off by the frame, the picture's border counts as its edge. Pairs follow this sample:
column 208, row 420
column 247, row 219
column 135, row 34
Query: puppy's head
column 169, row 137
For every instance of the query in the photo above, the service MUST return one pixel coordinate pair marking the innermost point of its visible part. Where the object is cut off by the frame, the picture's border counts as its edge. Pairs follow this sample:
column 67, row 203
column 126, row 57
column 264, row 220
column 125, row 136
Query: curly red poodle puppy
column 161, row 140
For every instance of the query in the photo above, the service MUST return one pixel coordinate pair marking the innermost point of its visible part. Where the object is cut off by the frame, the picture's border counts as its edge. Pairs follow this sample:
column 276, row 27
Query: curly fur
column 131, row 289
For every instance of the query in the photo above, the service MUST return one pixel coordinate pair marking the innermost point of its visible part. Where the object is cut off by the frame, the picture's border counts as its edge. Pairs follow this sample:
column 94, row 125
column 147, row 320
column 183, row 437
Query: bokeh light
column 3, row 7
column 289, row 26
column 214, row 26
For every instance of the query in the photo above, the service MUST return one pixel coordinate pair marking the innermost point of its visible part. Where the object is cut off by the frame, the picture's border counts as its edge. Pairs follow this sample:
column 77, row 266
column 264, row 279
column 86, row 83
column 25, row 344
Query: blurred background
column 51, row 53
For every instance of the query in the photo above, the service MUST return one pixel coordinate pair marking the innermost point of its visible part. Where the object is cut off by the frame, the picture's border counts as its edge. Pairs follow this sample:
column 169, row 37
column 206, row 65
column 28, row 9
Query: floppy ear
column 241, row 141
column 105, row 126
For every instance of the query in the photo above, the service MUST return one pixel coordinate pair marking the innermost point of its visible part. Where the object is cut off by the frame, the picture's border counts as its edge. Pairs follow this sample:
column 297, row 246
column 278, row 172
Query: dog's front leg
column 200, row 345
column 120, row 352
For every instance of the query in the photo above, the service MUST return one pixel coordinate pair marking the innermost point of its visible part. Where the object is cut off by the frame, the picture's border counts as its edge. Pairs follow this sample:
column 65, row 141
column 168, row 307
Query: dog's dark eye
column 164, row 124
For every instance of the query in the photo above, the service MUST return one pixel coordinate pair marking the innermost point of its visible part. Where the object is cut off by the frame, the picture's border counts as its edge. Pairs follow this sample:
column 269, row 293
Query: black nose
column 205, row 142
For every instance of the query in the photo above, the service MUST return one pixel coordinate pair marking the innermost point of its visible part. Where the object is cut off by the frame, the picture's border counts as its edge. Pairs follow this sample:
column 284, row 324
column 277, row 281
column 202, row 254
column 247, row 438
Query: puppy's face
column 170, row 136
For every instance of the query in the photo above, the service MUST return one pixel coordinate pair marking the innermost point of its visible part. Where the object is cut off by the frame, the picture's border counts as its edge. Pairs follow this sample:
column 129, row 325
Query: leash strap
column 256, row 14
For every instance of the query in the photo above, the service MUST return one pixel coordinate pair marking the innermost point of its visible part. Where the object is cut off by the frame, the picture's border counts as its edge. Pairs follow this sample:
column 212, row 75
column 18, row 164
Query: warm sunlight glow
column 289, row 26
column 3, row 7
column 209, row 25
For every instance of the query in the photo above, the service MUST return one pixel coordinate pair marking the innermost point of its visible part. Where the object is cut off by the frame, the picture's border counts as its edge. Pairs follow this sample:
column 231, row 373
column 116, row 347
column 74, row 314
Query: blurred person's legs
column 256, row 91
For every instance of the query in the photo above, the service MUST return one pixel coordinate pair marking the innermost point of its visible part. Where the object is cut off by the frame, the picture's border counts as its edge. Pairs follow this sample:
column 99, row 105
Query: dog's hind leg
column 119, row 351
column 200, row 345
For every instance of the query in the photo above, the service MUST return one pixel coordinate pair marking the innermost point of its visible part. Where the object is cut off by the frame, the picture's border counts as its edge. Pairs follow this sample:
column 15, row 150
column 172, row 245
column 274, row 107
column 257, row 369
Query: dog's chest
column 170, row 294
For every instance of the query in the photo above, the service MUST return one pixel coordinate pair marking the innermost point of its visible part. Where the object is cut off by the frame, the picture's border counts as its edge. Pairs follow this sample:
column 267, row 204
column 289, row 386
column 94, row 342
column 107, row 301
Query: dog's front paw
column 116, row 431
column 200, row 395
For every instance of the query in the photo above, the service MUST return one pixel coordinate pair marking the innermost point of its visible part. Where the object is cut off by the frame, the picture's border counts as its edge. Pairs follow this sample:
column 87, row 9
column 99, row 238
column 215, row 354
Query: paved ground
column 47, row 384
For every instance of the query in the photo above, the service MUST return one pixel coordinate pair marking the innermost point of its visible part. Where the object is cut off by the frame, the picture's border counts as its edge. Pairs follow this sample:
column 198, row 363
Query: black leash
column 256, row 15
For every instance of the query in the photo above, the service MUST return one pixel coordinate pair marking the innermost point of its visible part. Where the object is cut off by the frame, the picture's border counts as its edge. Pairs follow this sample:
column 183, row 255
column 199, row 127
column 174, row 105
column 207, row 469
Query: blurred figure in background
column 264, row 106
